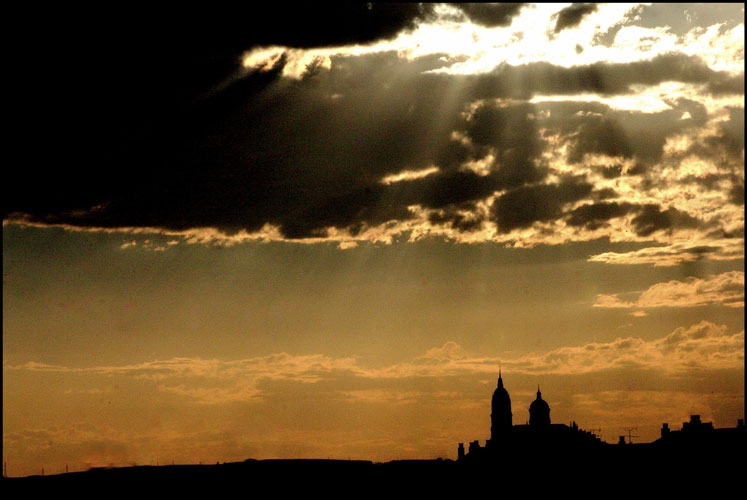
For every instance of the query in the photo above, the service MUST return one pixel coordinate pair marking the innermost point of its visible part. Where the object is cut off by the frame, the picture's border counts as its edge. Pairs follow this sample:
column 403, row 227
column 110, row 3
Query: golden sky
column 321, row 231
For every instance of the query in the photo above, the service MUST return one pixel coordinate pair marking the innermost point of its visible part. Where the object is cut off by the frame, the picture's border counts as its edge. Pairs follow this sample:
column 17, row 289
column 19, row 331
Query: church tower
column 501, row 418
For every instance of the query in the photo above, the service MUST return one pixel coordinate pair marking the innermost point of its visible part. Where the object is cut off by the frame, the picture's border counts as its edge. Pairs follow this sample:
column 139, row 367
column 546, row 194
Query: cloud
column 571, row 16
column 726, row 289
column 491, row 15
column 189, row 142
column 222, row 169
column 448, row 351
column 525, row 205
column 651, row 219
column 675, row 254
column 702, row 346
column 594, row 215
column 325, row 24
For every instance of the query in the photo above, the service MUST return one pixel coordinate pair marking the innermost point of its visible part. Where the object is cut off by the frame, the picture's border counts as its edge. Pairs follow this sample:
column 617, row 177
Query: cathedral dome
column 539, row 411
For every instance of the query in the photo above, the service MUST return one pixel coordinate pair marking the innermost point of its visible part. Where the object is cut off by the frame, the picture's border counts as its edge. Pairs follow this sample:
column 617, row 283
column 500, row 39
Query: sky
column 321, row 230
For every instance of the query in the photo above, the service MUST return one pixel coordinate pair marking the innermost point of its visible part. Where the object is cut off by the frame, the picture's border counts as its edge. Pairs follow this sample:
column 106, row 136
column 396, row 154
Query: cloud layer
column 267, row 407
column 186, row 139
column 686, row 350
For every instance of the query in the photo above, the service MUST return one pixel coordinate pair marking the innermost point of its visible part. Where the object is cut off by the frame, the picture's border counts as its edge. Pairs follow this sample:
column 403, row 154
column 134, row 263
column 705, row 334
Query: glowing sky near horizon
column 321, row 233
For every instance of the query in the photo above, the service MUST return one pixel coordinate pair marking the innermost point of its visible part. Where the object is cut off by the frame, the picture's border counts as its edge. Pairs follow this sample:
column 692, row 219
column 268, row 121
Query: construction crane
column 629, row 430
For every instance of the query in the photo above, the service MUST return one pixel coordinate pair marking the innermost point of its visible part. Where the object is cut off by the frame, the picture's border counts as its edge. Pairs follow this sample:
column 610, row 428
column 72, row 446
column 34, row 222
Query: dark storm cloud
column 237, row 27
column 508, row 132
column 457, row 219
column 140, row 127
column 284, row 152
column 647, row 218
column 525, row 205
column 595, row 128
column 571, row 16
column 608, row 78
column 511, row 132
column 595, row 215
column 491, row 14
column 454, row 188
column 318, row 24
column 91, row 87
column 600, row 135
column 292, row 156
column 652, row 218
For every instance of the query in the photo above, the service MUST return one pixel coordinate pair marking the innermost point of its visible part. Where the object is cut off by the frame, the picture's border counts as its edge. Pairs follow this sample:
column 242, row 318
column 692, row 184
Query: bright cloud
column 213, row 382
column 726, row 289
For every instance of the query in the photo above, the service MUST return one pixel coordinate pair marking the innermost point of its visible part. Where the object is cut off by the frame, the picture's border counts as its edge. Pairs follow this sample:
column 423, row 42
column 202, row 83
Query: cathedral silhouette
column 539, row 435
column 540, row 440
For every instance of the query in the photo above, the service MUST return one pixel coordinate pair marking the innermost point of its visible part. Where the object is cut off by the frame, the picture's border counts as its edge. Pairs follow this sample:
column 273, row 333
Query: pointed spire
column 500, row 380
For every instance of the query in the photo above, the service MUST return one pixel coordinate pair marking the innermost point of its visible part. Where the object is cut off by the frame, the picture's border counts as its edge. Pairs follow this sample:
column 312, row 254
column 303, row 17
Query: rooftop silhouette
column 561, row 448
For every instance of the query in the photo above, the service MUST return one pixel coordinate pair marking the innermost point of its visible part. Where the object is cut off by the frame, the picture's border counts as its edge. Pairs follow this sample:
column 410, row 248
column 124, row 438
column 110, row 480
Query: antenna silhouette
column 630, row 436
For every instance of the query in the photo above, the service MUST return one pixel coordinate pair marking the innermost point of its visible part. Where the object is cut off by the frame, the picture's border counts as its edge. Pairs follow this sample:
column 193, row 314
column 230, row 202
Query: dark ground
column 616, row 475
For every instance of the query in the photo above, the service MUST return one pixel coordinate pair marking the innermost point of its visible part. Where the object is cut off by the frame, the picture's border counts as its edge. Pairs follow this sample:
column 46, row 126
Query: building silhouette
column 539, row 438
column 545, row 444
column 501, row 417
column 698, row 435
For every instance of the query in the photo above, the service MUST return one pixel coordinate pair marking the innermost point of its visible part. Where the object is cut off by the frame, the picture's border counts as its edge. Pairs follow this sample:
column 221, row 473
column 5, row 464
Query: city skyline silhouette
column 551, row 451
